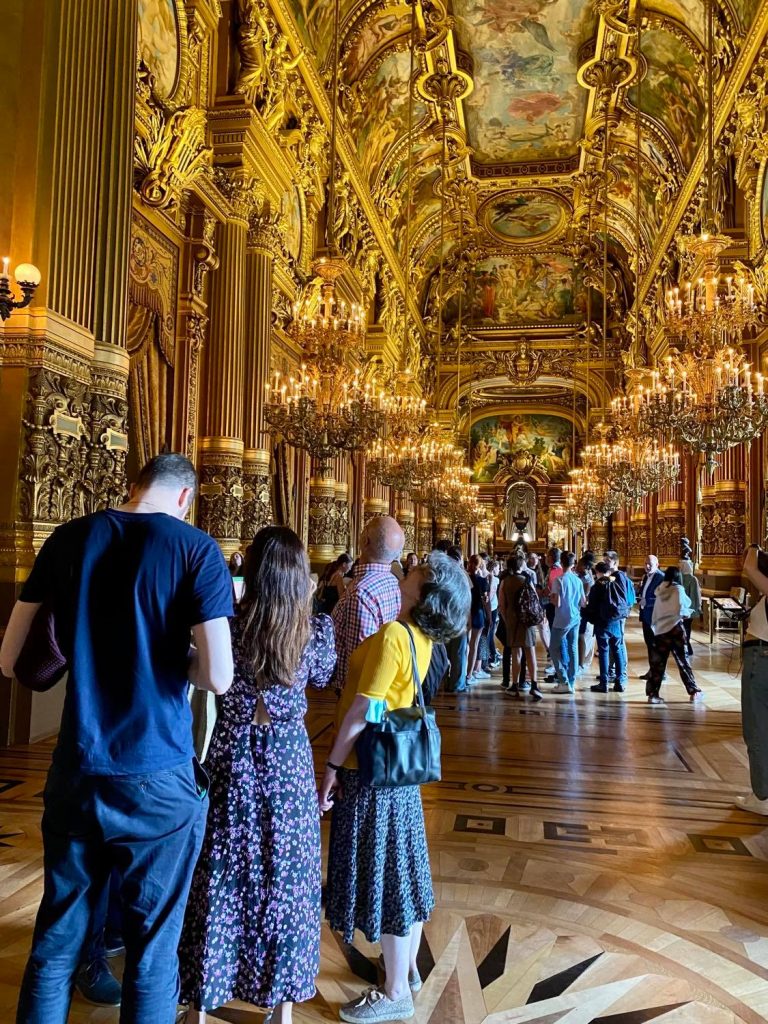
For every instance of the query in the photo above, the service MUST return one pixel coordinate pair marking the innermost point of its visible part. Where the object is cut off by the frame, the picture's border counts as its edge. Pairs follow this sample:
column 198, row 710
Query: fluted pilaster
column 723, row 521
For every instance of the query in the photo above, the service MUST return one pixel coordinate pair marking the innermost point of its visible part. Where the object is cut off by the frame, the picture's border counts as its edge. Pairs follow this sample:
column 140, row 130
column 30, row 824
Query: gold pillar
column 670, row 521
column 404, row 513
column 619, row 534
column 376, row 500
column 257, row 498
column 221, row 448
column 598, row 538
column 424, row 531
column 443, row 529
column 323, row 514
column 341, row 493
column 723, row 521
column 639, row 535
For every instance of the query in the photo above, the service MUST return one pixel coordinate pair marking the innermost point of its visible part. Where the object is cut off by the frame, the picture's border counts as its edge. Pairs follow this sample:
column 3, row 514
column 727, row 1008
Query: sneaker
column 482, row 675
column 655, row 700
column 414, row 978
column 599, row 688
column 536, row 695
column 618, row 688
column 97, row 984
column 753, row 804
column 561, row 688
column 373, row 1005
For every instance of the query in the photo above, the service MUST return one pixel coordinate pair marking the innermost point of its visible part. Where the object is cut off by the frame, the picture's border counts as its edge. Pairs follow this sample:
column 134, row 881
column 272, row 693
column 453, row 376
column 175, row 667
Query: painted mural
column 377, row 34
column 496, row 436
column 383, row 118
column 623, row 191
column 746, row 10
column 521, row 289
column 671, row 93
column 291, row 217
column 526, row 104
column 524, row 216
column 159, row 42
column 315, row 21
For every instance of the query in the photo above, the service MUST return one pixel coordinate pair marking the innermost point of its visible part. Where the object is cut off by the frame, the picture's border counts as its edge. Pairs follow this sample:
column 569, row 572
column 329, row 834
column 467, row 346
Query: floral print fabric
column 252, row 927
column 378, row 862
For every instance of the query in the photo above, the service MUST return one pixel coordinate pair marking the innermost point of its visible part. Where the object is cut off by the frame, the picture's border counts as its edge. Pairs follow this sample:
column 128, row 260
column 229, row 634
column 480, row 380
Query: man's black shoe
column 599, row 688
column 96, row 983
column 618, row 689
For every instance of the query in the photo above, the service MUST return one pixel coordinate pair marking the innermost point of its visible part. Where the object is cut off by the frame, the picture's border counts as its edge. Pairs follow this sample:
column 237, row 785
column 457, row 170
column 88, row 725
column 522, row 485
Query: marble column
column 257, row 498
column 221, row 447
column 723, row 521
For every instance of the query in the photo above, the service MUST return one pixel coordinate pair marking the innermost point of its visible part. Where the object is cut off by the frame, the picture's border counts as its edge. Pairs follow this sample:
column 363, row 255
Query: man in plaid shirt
column 373, row 597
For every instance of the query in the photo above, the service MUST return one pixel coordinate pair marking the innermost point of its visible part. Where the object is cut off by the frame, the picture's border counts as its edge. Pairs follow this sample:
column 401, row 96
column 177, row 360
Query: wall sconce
column 27, row 278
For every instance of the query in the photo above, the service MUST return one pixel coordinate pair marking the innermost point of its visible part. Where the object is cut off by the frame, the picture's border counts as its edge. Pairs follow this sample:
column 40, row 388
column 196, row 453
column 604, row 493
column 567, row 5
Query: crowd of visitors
column 215, row 871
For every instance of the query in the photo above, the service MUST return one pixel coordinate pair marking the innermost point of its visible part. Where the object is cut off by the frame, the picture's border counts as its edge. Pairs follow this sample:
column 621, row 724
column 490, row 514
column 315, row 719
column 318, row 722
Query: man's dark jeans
column 150, row 829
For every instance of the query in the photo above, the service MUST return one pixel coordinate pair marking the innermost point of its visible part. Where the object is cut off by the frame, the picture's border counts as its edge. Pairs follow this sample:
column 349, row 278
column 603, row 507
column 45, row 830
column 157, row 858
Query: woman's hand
column 330, row 787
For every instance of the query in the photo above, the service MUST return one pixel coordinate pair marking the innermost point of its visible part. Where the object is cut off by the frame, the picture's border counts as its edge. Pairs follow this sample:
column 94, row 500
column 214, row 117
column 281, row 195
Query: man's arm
column 210, row 661
column 16, row 633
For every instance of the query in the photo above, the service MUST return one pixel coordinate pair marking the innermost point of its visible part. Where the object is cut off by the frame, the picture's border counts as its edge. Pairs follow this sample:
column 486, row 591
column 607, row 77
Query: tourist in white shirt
column 670, row 607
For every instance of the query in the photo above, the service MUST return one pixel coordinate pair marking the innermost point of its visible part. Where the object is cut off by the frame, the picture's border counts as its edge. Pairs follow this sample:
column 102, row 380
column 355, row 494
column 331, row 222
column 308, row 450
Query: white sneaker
column 482, row 675
column 753, row 804
column 561, row 688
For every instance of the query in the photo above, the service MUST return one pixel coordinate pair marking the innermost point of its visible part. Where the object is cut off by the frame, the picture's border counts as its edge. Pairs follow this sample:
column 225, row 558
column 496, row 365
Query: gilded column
column 404, row 513
column 443, row 529
column 639, row 534
column 376, row 500
column 598, row 538
column 670, row 522
column 257, row 498
column 424, row 531
column 341, row 475
column 723, row 521
column 221, row 446
column 619, row 534
column 323, row 514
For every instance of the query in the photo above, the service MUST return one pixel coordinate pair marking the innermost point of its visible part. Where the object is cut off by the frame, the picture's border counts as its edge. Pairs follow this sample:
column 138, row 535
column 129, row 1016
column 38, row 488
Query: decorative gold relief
column 257, row 499
column 171, row 155
column 221, row 497
column 197, row 325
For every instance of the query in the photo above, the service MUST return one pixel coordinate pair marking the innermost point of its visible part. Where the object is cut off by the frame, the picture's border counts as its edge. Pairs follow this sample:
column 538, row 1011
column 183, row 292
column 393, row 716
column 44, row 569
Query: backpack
column 528, row 607
column 616, row 605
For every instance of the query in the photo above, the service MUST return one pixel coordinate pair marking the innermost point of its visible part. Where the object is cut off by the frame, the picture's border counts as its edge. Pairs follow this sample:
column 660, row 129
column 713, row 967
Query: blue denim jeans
column 149, row 828
column 564, row 651
column 611, row 650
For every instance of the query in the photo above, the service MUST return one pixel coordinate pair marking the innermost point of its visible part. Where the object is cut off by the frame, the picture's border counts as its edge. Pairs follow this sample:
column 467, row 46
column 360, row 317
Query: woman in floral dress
column 252, row 927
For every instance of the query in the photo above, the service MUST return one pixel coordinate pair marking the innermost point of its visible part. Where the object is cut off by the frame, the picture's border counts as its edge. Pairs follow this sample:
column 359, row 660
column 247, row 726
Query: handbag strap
column 418, row 694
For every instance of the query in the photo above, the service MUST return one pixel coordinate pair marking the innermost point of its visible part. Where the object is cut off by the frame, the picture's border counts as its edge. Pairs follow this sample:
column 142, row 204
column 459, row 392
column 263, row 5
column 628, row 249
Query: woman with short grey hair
column 378, row 862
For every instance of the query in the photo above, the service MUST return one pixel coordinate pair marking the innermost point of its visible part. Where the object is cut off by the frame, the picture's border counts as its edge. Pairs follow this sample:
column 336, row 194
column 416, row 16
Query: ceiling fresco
column 382, row 119
column 526, row 104
column 493, row 437
column 520, row 289
column 377, row 34
column 671, row 91
column 525, row 216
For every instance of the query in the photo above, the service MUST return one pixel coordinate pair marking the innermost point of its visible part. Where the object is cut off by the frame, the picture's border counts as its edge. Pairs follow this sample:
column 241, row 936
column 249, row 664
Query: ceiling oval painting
column 520, row 218
column 527, row 104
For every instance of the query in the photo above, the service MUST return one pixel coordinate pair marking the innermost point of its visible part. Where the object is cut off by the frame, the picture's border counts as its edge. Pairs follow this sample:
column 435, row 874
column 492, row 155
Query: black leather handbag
column 403, row 749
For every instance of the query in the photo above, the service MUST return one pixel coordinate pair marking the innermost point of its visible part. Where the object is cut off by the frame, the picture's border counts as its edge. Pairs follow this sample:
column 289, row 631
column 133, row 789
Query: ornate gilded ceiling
column 520, row 92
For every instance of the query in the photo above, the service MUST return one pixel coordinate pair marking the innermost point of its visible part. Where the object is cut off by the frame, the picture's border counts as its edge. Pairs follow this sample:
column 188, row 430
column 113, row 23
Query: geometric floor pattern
column 588, row 862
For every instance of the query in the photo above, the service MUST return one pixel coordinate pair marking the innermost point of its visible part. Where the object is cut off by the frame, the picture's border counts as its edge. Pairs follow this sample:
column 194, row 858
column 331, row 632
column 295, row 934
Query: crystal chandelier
column 327, row 406
column 706, row 396
column 588, row 499
column 401, row 457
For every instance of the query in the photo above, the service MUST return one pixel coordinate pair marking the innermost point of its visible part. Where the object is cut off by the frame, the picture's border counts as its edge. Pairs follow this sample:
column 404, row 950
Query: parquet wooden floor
column 589, row 864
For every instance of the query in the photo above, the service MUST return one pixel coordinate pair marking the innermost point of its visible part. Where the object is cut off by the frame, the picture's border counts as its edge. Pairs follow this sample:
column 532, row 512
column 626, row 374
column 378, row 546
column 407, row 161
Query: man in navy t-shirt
column 127, row 587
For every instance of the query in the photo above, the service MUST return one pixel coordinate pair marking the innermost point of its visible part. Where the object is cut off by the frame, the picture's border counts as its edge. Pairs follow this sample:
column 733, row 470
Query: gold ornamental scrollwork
column 170, row 154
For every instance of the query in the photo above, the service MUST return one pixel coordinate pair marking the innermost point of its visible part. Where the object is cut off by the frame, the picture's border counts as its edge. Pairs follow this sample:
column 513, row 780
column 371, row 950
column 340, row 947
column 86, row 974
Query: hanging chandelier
column 705, row 395
column 328, row 406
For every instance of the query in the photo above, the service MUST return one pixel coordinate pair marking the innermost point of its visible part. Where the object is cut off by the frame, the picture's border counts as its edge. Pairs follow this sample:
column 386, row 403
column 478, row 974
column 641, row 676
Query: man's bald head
column 382, row 540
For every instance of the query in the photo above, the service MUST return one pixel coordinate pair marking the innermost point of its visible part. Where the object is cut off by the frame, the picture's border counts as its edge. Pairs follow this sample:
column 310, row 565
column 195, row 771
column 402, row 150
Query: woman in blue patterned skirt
column 378, row 863
column 252, row 928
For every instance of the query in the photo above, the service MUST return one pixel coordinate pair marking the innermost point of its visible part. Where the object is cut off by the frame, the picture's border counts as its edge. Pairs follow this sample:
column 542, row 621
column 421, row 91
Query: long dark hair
column 276, row 605
column 673, row 575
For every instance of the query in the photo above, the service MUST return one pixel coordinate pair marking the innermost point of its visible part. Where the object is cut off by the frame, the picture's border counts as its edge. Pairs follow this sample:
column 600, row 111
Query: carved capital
column 170, row 152
column 221, row 490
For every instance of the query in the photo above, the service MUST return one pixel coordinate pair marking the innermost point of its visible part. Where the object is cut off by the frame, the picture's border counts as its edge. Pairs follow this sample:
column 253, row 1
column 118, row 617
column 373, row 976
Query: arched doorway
column 519, row 505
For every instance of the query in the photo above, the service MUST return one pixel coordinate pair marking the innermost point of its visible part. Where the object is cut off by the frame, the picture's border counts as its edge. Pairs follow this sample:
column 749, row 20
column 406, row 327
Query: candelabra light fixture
column 27, row 277
column 327, row 406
